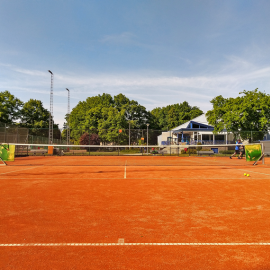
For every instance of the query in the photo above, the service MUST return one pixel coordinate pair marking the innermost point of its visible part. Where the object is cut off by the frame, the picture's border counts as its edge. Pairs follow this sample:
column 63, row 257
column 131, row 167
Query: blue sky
column 156, row 52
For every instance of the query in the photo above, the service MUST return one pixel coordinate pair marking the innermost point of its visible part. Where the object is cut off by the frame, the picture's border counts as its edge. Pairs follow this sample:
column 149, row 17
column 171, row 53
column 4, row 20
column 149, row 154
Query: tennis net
column 139, row 154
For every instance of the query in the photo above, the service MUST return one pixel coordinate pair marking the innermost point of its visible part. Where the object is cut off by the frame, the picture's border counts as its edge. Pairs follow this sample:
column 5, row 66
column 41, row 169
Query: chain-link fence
column 14, row 134
column 113, row 136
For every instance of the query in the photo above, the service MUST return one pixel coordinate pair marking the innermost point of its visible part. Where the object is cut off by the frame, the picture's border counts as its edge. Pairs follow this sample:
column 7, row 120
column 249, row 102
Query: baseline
column 132, row 244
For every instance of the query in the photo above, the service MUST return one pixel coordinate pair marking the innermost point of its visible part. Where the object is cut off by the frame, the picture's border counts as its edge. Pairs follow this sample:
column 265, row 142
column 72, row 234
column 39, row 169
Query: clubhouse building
column 196, row 131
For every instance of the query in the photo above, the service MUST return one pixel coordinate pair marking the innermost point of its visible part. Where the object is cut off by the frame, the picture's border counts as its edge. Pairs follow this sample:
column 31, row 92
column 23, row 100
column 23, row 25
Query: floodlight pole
column 51, row 111
column 147, row 137
column 68, row 113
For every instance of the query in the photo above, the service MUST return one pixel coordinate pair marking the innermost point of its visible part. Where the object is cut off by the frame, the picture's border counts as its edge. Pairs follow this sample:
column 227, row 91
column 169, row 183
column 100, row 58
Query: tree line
column 30, row 114
column 106, row 115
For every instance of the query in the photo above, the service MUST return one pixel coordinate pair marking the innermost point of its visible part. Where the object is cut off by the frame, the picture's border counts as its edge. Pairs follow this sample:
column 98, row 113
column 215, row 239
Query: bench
column 205, row 153
column 42, row 151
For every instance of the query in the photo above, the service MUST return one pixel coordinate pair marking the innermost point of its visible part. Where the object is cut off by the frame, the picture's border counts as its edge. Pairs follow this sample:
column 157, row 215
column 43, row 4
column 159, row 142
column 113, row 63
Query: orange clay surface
column 170, row 212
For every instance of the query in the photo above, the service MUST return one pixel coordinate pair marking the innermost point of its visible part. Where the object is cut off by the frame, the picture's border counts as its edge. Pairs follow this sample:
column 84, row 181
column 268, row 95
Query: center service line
column 125, row 172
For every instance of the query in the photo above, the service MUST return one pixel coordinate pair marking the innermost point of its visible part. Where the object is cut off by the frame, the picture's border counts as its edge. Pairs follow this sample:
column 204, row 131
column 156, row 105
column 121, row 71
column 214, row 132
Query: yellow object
column 253, row 152
column 245, row 174
column 7, row 152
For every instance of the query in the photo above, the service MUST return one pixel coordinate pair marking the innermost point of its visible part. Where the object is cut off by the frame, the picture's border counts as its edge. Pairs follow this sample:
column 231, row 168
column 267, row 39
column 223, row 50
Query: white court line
column 131, row 244
column 253, row 171
column 243, row 169
column 125, row 173
column 138, row 178
column 30, row 168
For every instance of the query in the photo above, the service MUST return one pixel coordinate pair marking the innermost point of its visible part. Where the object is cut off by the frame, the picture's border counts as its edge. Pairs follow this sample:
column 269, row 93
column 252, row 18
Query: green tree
column 105, row 115
column 10, row 108
column 174, row 115
column 34, row 115
column 247, row 115
column 155, row 118
column 110, row 124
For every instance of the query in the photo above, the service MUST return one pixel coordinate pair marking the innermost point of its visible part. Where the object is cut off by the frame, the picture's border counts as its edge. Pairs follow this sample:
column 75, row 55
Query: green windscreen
column 7, row 152
column 253, row 152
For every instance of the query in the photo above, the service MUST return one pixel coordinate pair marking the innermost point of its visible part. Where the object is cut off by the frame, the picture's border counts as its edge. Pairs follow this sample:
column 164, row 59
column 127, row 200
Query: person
column 242, row 151
column 237, row 149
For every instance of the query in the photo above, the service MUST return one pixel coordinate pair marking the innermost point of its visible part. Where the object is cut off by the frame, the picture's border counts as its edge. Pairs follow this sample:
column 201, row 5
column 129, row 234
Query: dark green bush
column 199, row 148
column 226, row 152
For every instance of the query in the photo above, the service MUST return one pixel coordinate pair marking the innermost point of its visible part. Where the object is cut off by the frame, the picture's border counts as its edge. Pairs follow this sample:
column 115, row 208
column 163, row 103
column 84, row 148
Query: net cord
column 134, row 146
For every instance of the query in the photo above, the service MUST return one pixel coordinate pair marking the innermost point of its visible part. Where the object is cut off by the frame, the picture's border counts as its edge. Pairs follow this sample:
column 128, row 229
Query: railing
column 205, row 142
column 195, row 142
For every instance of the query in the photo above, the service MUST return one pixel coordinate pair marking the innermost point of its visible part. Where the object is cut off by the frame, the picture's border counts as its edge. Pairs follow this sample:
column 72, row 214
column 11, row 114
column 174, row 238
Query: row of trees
column 30, row 114
column 174, row 115
column 247, row 115
column 107, row 114
column 104, row 115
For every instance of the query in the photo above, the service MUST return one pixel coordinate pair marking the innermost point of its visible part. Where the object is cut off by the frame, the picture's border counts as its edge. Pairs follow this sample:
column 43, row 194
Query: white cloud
column 31, row 72
column 123, row 38
column 149, row 90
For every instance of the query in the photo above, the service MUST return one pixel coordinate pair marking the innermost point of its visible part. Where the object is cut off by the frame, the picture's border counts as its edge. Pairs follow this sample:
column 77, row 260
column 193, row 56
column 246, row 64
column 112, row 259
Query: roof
column 200, row 119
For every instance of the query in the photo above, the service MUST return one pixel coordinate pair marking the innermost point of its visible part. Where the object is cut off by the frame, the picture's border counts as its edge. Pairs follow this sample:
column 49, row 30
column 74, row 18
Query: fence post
column 27, row 137
column 89, row 141
column 5, row 140
column 17, row 135
column 170, row 142
column 118, row 141
column 129, row 134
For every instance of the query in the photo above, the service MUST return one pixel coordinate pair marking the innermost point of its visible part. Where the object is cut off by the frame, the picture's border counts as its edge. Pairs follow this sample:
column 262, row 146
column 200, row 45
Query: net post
column 3, row 162
column 263, row 154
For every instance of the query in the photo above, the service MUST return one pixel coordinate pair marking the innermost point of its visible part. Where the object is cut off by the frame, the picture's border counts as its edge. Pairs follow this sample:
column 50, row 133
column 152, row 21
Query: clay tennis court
column 134, row 213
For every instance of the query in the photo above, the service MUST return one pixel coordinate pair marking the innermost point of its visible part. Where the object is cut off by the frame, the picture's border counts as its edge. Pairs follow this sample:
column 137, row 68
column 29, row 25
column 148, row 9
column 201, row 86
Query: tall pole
column 51, row 111
column 147, row 137
column 68, row 113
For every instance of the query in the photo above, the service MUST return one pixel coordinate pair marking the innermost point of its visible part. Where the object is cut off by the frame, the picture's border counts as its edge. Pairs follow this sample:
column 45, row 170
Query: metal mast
column 68, row 113
column 51, row 111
